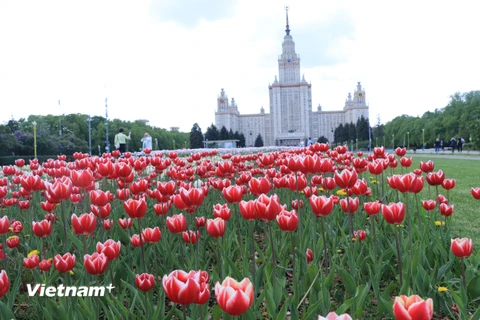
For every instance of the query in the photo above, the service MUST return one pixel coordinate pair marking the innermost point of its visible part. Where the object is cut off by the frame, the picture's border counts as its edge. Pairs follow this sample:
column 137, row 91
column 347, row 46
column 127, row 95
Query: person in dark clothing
column 453, row 144
column 460, row 143
column 437, row 145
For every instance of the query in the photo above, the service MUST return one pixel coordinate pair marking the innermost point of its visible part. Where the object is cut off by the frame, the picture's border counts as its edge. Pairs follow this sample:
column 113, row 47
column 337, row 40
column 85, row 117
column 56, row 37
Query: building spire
column 288, row 27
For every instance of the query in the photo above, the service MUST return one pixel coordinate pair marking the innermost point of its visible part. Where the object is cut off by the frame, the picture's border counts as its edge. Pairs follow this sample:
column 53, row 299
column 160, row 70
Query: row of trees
column 460, row 118
column 350, row 131
column 67, row 134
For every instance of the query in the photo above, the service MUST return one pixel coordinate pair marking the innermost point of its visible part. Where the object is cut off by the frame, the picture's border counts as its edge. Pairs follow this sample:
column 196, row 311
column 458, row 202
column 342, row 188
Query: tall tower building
column 291, row 119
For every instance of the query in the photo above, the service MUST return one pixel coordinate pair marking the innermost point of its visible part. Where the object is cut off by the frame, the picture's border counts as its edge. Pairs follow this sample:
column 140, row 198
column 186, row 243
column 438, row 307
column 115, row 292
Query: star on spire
column 288, row 27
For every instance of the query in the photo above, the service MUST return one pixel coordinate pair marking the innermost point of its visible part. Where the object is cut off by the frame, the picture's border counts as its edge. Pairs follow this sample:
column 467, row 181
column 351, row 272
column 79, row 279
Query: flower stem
column 219, row 258
column 274, row 264
column 141, row 245
column 325, row 252
column 399, row 257
column 293, row 266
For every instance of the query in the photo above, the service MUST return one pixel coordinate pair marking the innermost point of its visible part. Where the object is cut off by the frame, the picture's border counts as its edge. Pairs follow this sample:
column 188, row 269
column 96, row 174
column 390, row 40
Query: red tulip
column 372, row 208
column 462, row 248
column 100, row 198
column 85, row 224
column 435, row 178
column 125, row 223
column 42, row 228
column 45, row 265
column 247, row 210
column 135, row 209
column 64, row 263
column 428, row 204
column 349, row 207
column 144, row 281
column 32, row 183
column 360, row 188
column 4, row 225
column 135, row 240
column 346, row 179
column 287, row 220
column 446, row 210
column 448, row 184
column 4, row 283
column 31, row 262
column 267, row 208
column 413, row 307
column 123, row 194
column 321, row 206
column 329, row 183
column 20, row 163
column 109, row 248
column 60, row 190
column 259, row 186
column 162, row 209
column 234, row 297
column 309, row 255
column 360, row 235
column 101, row 212
column 427, row 166
column 216, row 227
column 406, row 162
column 222, row 211
column 95, row 263
column 200, row 222
column 233, row 194
column 394, row 213
column 375, row 168
column 400, row 151
column 296, row 202
column 187, row 288
column 177, row 223
column 82, row 178
column 442, row 199
column 190, row 236
column 476, row 193
column 13, row 242
column 47, row 206
column 24, row 205
column 151, row 235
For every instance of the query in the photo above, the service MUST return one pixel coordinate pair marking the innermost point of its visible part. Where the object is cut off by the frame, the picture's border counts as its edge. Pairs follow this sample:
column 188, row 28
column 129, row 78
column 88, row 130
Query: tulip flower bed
column 293, row 234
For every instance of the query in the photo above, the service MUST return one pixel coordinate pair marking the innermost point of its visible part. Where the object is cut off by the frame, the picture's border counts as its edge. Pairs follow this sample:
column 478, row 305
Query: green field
column 466, row 216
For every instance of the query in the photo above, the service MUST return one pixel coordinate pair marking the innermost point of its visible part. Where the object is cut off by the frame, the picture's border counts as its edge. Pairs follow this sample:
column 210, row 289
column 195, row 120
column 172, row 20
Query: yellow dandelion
column 50, row 259
column 442, row 289
column 71, row 272
column 354, row 239
column 33, row 253
column 340, row 251
column 439, row 223
column 321, row 189
column 12, row 237
column 341, row 193
column 10, row 229
column 374, row 181
column 301, row 191
column 400, row 226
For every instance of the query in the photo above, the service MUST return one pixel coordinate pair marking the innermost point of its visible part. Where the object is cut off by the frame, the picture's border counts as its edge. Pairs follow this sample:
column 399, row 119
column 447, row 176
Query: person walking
column 437, row 145
column 121, row 140
column 460, row 143
column 453, row 144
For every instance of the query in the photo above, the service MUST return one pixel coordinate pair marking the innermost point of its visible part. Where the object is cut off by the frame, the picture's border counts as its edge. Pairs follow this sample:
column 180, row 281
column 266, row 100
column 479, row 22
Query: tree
column 224, row 133
column 212, row 133
column 322, row 139
column 196, row 137
column 259, row 141
column 362, row 129
column 242, row 141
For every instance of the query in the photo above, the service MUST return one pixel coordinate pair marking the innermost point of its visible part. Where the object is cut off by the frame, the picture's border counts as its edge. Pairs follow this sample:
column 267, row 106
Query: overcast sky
column 167, row 60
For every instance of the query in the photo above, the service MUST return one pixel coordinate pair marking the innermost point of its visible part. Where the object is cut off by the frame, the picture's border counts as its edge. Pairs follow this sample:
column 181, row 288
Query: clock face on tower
column 221, row 100
column 360, row 94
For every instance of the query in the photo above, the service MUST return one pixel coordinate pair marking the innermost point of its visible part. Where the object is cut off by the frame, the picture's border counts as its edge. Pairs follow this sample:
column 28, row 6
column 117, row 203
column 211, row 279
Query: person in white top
column 146, row 141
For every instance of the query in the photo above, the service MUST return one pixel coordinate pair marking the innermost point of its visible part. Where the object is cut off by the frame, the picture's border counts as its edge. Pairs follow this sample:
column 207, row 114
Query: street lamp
column 34, row 139
column 173, row 144
column 408, row 140
column 423, row 139
column 393, row 140
column 89, row 135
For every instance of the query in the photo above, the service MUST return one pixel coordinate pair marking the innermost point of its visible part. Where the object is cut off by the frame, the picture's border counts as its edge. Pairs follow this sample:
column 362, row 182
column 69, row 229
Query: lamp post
column 89, row 135
column 376, row 141
column 173, row 144
column 393, row 140
column 34, row 139
column 408, row 140
column 384, row 144
column 156, row 144
column 423, row 139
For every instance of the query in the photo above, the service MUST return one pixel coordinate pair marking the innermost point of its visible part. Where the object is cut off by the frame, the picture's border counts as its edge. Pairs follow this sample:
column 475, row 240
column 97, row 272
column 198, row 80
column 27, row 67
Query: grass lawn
column 466, row 216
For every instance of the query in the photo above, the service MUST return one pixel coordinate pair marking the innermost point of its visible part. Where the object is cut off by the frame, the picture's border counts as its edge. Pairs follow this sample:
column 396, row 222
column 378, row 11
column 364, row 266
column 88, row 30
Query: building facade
column 291, row 119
